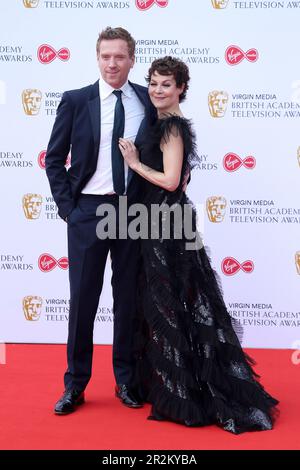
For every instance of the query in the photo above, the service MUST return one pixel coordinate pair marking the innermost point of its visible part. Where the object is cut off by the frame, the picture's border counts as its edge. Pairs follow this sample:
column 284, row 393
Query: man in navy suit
column 88, row 121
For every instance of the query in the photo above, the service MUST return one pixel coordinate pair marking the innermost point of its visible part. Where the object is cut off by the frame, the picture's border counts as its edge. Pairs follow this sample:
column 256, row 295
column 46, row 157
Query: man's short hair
column 117, row 33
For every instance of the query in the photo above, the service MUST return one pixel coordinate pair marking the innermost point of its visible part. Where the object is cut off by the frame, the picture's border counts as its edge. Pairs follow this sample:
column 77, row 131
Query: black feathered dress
column 190, row 364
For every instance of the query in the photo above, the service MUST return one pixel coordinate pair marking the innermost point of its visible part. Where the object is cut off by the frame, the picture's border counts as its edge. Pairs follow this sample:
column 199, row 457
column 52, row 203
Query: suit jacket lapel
column 95, row 114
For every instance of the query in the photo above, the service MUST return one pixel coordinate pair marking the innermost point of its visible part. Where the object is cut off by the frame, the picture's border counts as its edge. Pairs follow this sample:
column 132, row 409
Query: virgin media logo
column 234, row 55
column 232, row 162
column 42, row 156
column 231, row 266
column 47, row 262
column 146, row 4
column 41, row 159
column 47, row 54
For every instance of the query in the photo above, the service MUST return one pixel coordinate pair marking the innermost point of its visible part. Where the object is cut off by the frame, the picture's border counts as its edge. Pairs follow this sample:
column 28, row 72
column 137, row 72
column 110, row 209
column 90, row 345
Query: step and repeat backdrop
column 244, row 101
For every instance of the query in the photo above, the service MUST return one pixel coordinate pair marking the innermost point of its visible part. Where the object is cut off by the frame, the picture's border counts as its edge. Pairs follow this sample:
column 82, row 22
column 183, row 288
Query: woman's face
column 164, row 92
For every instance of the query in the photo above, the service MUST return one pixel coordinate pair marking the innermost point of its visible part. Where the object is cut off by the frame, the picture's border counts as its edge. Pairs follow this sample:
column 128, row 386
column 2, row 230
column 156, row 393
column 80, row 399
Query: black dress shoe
column 68, row 402
column 127, row 396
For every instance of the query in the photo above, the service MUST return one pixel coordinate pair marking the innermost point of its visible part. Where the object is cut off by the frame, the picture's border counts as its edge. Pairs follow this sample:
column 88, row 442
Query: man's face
column 114, row 61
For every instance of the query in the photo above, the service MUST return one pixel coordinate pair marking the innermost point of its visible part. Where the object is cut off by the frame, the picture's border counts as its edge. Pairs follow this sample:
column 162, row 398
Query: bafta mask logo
column 32, row 307
column 216, row 208
column 32, row 204
column 234, row 55
column 146, row 4
column 231, row 266
column 232, row 162
column 31, row 99
column 31, row 3
column 298, row 155
column 217, row 103
column 219, row 4
column 297, row 261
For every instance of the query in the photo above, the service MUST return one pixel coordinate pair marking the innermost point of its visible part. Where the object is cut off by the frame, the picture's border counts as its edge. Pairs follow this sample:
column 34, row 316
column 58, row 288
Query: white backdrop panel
column 259, row 208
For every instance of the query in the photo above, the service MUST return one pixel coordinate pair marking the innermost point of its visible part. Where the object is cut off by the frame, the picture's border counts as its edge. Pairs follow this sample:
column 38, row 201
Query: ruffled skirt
column 190, row 363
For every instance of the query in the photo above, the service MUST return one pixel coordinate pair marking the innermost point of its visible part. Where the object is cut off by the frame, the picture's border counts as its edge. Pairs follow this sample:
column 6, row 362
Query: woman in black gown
column 191, row 366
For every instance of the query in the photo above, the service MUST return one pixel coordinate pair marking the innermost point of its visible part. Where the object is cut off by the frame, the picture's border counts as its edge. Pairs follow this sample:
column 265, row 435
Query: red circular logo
column 234, row 55
column 231, row 266
column 47, row 54
column 232, row 162
column 47, row 262
column 68, row 161
column 146, row 4
column 41, row 159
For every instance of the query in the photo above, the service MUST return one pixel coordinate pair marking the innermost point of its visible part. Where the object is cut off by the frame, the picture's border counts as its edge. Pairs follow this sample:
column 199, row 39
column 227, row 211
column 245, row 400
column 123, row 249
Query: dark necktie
column 117, row 161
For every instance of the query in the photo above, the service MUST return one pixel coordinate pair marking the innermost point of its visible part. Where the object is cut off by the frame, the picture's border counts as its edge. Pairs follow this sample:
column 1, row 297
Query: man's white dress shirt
column 101, row 182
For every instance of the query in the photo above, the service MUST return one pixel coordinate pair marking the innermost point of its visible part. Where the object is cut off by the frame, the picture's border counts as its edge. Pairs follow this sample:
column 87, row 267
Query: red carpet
column 31, row 382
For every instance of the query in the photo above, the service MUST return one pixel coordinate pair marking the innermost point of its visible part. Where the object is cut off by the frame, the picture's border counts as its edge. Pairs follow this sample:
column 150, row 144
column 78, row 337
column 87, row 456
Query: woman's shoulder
column 175, row 125
column 175, row 121
column 180, row 125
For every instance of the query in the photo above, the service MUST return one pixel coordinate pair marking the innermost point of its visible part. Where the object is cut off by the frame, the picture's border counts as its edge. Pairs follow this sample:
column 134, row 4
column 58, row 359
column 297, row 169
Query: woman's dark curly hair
column 170, row 66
